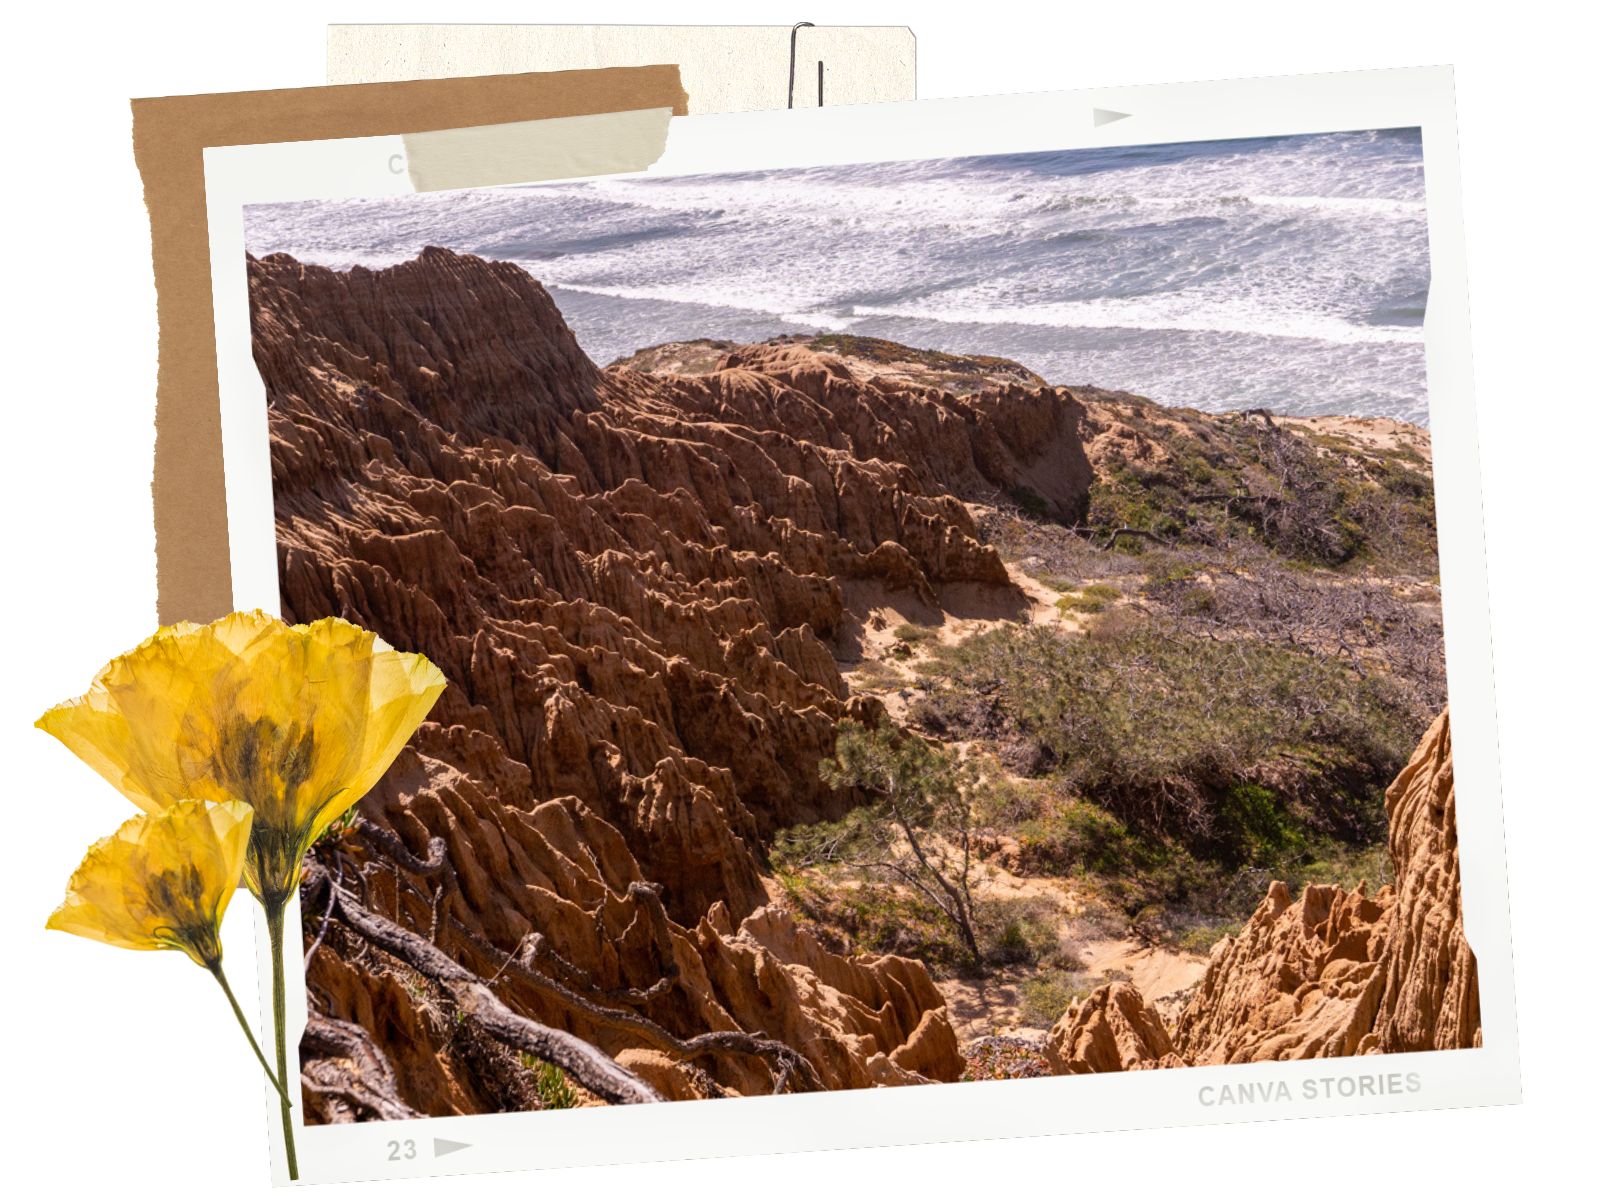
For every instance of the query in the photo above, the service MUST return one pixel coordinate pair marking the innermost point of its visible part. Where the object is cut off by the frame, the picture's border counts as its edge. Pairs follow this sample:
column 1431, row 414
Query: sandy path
column 1166, row 977
column 994, row 1004
column 878, row 661
column 879, row 658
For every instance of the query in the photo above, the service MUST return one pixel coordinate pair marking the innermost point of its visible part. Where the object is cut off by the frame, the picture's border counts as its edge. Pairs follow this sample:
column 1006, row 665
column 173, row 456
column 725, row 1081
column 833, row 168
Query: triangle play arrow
column 1104, row 116
column 441, row 1147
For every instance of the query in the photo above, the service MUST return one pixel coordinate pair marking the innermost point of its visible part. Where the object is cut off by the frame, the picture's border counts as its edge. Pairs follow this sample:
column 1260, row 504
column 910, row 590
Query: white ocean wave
column 1168, row 313
column 1315, row 247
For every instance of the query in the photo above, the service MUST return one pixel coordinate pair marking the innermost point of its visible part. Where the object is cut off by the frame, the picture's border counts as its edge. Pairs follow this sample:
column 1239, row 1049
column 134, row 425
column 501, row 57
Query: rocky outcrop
column 1430, row 987
column 635, row 585
column 1332, row 973
column 1113, row 1029
column 1301, row 980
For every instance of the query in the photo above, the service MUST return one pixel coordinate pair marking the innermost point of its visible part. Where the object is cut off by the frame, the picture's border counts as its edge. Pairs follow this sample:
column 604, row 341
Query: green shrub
column 1252, row 818
column 1307, row 496
column 1091, row 599
column 1008, row 802
column 1235, row 747
column 1169, row 571
column 1015, row 930
column 1046, row 996
column 1347, row 866
column 1077, row 836
column 1200, row 939
column 1057, row 583
column 876, row 675
column 550, row 1082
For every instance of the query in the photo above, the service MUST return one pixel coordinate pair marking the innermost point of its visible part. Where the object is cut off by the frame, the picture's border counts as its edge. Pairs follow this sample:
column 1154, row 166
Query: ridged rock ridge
column 636, row 586
column 1333, row 973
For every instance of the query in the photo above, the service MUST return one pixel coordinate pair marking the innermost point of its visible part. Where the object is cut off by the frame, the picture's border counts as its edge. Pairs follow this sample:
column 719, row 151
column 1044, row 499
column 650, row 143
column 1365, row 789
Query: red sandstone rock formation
column 633, row 584
column 1430, row 991
column 1302, row 980
column 1334, row 973
column 1111, row 1030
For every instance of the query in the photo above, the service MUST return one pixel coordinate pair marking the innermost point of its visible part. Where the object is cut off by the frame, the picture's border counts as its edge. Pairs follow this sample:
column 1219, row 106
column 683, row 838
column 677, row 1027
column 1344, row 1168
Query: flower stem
column 279, row 1028
column 244, row 1024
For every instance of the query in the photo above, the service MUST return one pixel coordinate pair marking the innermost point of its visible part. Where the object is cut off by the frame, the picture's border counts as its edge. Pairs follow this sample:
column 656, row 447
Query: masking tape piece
column 529, row 151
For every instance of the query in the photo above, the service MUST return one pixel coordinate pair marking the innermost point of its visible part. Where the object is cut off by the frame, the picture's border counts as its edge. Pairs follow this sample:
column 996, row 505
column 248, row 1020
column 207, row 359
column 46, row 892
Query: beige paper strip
column 726, row 68
column 527, row 151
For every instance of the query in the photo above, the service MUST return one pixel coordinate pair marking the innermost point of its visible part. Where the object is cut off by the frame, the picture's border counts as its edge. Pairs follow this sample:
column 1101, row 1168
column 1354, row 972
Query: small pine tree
column 919, row 827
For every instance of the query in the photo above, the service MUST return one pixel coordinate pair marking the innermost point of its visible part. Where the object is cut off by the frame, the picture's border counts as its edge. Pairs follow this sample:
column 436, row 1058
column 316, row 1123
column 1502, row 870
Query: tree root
column 788, row 1065
column 585, row 1064
column 367, row 1091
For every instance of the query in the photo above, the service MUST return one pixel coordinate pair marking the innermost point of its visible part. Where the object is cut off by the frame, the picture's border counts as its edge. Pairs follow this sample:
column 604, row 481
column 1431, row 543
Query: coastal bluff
column 641, row 582
column 1335, row 972
column 635, row 586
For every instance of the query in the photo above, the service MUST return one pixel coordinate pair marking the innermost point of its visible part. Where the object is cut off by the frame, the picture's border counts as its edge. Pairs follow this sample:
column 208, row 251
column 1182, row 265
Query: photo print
column 905, row 623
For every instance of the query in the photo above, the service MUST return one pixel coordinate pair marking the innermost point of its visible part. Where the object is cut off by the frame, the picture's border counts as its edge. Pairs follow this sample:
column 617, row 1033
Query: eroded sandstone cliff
column 1332, row 973
column 636, row 585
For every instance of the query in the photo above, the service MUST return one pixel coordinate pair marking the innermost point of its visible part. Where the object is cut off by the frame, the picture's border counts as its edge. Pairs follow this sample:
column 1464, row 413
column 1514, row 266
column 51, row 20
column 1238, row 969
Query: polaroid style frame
column 1421, row 98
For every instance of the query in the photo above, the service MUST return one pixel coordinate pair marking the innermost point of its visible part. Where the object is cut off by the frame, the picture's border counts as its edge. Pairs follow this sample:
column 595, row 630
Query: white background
column 123, row 1070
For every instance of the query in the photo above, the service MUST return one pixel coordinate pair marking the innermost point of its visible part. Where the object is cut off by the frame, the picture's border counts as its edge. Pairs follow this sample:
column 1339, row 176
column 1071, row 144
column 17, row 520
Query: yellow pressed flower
column 161, row 882
column 298, row 721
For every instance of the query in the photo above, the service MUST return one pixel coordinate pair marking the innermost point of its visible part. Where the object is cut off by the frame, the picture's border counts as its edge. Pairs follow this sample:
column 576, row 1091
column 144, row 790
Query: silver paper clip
column 794, row 34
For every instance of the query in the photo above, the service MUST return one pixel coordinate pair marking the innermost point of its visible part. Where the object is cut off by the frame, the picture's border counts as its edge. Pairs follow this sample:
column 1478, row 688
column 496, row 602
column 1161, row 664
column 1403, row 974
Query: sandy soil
column 876, row 659
column 1374, row 433
column 1166, row 977
column 993, row 1005
column 965, row 610
column 989, row 1006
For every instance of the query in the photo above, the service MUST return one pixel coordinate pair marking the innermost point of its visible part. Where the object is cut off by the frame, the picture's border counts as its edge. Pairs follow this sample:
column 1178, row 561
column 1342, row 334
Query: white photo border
column 1420, row 98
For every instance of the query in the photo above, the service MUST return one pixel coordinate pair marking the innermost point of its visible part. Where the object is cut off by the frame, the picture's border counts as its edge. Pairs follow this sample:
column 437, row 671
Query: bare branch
column 778, row 1054
column 366, row 1089
column 586, row 1064
column 327, row 916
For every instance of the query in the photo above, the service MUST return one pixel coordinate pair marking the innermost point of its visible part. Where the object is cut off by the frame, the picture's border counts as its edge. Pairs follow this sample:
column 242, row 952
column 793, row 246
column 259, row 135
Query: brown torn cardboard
column 169, row 136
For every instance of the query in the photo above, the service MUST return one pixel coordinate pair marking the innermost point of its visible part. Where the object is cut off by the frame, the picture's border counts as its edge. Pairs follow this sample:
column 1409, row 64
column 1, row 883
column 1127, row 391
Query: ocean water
column 1288, row 273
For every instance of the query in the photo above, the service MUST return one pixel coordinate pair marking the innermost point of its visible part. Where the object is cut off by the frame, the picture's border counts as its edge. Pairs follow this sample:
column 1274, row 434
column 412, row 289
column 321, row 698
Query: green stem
column 238, row 1012
column 279, row 1027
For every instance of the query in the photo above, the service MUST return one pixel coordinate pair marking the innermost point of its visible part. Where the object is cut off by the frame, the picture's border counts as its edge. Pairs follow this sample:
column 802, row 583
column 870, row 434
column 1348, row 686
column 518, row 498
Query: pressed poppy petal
column 404, row 688
column 162, row 881
column 298, row 721
column 145, row 723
